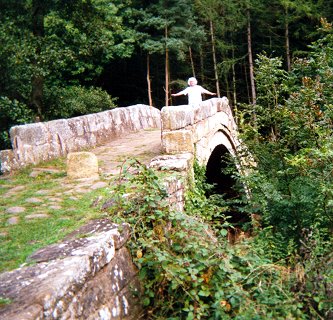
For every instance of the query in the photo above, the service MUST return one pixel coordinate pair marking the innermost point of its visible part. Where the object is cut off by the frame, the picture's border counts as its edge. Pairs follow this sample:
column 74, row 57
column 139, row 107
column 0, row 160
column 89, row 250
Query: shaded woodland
column 65, row 58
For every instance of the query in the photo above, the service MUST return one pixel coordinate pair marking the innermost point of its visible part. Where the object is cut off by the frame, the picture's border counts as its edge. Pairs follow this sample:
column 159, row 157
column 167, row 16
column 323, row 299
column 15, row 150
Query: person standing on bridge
column 193, row 92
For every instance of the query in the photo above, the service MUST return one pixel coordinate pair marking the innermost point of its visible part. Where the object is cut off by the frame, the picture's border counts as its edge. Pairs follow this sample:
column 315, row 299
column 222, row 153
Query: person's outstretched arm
column 179, row 93
column 208, row 92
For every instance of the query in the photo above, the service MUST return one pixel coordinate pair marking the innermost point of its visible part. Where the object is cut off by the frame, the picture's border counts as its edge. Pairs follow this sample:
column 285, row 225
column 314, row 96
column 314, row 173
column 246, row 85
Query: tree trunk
column 202, row 69
column 37, row 84
column 214, row 58
column 246, row 77
column 227, row 88
column 166, row 68
column 37, row 80
column 249, row 48
column 149, row 82
column 287, row 40
column 234, row 85
column 191, row 59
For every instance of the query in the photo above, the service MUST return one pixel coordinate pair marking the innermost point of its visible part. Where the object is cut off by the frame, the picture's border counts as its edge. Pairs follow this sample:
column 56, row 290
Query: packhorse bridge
column 184, row 129
column 94, row 277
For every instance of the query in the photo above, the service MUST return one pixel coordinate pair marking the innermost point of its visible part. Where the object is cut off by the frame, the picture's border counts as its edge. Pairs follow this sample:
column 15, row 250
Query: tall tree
column 59, row 42
column 293, row 12
column 209, row 11
column 37, row 81
column 250, row 57
column 224, row 20
column 168, row 27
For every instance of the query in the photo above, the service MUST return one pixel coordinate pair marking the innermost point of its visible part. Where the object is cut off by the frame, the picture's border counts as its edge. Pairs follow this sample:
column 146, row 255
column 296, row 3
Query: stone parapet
column 42, row 141
column 188, row 129
column 81, row 278
column 179, row 169
column 178, row 141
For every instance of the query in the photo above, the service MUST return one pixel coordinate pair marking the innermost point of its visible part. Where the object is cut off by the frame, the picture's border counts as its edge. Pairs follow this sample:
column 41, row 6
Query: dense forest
column 274, row 62
column 60, row 58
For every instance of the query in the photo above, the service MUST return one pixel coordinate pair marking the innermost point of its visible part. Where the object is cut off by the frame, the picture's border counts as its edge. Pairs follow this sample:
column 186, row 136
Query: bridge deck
column 142, row 145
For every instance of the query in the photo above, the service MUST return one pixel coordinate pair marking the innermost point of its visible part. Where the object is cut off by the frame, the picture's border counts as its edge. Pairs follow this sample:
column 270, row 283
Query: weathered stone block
column 82, row 165
column 209, row 107
column 177, row 117
column 32, row 134
column 177, row 162
column 223, row 105
column 200, row 130
column 82, row 278
column 8, row 161
column 180, row 141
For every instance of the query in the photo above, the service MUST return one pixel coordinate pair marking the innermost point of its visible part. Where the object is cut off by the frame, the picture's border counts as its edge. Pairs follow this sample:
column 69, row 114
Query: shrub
column 12, row 112
column 71, row 101
column 187, row 268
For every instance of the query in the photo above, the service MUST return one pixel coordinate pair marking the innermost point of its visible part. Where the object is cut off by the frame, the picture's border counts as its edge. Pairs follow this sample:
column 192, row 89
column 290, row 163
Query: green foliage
column 211, row 207
column 270, row 82
column 187, row 268
column 168, row 24
column 291, row 184
column 88, row 35
column 292, row 147
column 76, row 100
column 4, row 301
column 313, row 278
column 49, row 46
column 11, row 113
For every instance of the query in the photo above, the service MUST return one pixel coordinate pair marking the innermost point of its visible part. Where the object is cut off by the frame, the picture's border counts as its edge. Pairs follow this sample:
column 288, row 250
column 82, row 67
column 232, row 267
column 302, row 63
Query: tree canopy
column 139, row 51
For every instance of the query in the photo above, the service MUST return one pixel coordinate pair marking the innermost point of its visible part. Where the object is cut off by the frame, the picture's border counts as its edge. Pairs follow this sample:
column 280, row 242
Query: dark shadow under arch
column 218, row 173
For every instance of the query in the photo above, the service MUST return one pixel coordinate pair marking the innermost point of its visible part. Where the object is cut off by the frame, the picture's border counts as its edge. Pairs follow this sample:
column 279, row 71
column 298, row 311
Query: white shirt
column 194, row 94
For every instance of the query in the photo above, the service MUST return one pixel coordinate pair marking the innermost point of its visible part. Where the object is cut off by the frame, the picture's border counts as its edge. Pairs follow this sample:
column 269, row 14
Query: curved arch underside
column 217, row 173
column 205, row 148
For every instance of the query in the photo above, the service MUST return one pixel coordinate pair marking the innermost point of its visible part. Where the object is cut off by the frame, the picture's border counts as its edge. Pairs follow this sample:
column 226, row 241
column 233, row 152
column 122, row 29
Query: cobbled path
column 142, row 145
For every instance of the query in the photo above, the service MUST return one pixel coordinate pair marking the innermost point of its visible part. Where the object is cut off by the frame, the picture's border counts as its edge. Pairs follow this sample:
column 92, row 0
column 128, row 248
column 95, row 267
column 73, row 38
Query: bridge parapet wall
column 37, row 142
column 88, row 277
column 187, row 129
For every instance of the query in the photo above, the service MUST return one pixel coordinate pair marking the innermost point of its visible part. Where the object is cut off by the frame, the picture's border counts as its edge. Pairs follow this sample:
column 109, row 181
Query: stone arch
column 215, row 173
column 221, row 136
column 221, row 144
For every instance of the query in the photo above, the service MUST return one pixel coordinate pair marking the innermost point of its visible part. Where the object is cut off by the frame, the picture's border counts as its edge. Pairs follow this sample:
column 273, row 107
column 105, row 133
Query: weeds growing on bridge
column 186, row 266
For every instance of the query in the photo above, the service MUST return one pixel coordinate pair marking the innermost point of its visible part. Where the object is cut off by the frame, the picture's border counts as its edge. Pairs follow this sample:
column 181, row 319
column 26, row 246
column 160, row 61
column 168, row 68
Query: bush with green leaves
column 291, row 142
column 291, row 184
column 186, row 266
column 12, row 112
column 71, row 101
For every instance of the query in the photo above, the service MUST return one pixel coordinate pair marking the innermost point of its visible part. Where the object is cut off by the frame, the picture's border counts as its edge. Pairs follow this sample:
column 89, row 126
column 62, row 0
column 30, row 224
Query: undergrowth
column 185, row 263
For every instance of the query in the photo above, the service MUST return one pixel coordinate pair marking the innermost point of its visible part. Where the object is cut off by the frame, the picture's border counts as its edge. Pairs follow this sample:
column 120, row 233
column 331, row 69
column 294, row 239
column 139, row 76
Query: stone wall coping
column 60, row 270
column 182, row 116
column 37, row 142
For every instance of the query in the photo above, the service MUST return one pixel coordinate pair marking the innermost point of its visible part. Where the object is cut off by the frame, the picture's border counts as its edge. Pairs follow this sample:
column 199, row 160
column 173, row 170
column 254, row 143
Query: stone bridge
column 199, row 130
column 184, row 129
column 42, row 141
column 94, row 277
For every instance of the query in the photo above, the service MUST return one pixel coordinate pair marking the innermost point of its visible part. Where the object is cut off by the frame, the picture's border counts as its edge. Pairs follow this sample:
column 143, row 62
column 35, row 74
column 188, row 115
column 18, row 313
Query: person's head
column 192, row 81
